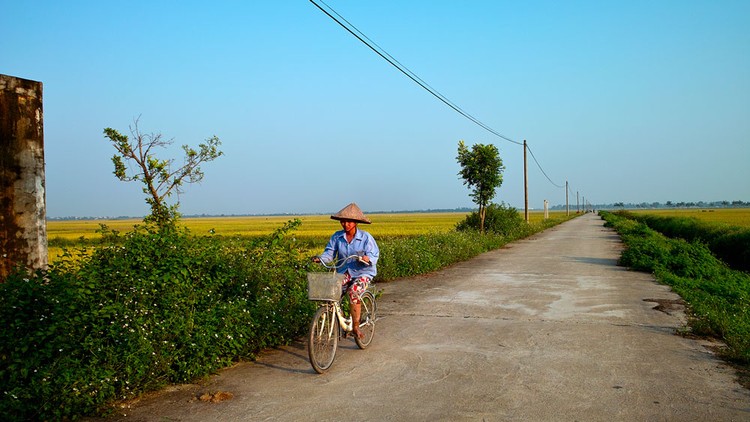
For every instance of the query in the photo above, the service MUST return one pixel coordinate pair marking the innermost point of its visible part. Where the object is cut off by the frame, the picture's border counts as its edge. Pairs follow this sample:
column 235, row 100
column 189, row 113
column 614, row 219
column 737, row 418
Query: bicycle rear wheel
column 366, row 320
column 323, row 339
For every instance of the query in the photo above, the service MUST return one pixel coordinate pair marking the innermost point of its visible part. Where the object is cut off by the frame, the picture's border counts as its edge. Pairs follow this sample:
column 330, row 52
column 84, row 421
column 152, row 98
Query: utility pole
column 525, row 184
column 567, row 203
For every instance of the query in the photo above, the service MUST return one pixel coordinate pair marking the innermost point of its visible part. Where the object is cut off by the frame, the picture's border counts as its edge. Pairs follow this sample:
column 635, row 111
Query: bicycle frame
column 329, row 333
column 345, row 322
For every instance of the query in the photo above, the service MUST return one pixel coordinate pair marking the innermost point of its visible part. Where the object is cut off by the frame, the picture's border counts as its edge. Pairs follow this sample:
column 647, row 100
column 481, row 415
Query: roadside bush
column 404, row 257
column 500, row 219
column 161, row 307
column 422, row 254
column 36, row 342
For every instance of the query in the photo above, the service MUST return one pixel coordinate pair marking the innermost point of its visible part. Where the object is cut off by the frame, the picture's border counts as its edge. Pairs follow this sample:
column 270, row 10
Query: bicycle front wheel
column 323, row 339
column 366, row 320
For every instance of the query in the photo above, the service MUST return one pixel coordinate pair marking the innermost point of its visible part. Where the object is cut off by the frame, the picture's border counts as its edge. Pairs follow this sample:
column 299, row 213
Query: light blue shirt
column 362, row 244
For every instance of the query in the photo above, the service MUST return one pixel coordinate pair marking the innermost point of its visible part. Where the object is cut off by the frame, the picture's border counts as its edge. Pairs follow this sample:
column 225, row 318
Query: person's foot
column 358, row 334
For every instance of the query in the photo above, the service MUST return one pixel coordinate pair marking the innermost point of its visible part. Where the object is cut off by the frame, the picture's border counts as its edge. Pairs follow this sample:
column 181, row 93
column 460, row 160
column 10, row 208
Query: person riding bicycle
column 352, row 241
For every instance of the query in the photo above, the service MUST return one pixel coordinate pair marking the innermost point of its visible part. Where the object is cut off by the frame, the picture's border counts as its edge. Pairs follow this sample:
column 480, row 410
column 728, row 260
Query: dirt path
column 548, row 328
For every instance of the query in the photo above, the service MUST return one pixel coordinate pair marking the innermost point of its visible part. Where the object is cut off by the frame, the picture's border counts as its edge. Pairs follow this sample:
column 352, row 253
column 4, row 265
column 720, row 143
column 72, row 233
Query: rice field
column 251, row 226
column 739, row 217
column 313, row 226
column 398, row 224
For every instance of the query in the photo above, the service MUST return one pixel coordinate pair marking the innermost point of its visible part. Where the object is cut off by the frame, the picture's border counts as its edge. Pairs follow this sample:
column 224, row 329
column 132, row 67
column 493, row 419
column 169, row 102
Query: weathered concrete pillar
column 23, row 227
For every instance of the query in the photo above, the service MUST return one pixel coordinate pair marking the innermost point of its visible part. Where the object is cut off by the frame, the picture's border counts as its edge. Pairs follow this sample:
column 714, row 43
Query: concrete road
column 546, row 329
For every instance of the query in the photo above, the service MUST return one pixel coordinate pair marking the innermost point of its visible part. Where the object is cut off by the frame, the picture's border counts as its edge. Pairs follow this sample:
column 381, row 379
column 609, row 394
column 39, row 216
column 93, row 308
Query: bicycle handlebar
column 340, row 262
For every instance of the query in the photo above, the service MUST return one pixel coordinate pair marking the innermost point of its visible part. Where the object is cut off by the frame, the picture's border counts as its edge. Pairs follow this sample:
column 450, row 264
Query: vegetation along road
column 548, row 328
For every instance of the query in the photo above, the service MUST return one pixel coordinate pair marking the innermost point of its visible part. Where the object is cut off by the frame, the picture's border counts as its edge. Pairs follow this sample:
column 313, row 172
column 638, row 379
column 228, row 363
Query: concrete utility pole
column 23, row 226
column 525, row 185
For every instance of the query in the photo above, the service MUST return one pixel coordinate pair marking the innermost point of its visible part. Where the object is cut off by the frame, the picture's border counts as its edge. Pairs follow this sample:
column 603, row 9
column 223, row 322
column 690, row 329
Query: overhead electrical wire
column 349, row 27
column 540, row 167
column 395, row 63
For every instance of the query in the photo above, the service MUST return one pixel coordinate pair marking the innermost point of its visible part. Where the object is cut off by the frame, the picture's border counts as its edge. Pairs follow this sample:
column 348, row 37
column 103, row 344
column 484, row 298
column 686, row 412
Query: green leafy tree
column 482, row 171
column 159, row 177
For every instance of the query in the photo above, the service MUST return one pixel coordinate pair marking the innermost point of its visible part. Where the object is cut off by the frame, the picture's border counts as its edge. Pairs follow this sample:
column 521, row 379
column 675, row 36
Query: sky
column 625, row 101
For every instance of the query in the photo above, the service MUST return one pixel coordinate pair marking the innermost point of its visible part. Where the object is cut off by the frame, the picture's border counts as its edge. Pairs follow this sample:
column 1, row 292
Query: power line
column 349, row 27
column 395, row 63
column 540, row 167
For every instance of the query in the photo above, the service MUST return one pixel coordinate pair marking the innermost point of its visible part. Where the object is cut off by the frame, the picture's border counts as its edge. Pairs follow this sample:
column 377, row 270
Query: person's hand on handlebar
column 363, row 259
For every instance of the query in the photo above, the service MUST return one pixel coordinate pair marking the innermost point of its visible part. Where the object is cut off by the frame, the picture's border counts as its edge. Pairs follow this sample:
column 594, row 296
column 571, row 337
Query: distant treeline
column 656, row 205
column 124, row 217
column 616, row 205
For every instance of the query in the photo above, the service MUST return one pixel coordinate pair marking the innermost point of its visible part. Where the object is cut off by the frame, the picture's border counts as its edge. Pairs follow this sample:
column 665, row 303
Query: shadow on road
column 298, row 350
column 595, row 261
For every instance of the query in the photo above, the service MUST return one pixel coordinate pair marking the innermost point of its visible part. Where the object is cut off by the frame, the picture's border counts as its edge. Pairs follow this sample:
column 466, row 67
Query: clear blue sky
column 632, row 101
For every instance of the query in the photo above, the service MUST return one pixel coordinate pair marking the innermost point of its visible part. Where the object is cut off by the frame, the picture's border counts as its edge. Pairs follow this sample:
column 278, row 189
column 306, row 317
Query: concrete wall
column 23, row 227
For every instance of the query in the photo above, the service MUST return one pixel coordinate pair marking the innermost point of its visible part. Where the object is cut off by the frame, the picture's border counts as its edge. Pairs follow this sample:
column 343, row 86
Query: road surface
column 545, row 329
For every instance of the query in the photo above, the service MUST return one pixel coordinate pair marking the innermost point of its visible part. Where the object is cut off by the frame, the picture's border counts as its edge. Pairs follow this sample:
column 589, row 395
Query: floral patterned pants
column 354, row 287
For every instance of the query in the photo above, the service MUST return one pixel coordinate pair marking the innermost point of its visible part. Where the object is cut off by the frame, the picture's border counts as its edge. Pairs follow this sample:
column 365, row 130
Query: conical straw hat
column 353, row 213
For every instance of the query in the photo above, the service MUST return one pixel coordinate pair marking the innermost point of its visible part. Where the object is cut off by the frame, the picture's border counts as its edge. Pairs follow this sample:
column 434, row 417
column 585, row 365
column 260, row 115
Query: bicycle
column 329, row 322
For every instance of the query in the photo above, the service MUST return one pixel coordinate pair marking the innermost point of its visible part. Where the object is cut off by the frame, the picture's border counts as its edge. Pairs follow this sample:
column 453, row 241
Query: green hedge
column 403, row 257
column 718, row 297
column 162, row 306
column 730, row 243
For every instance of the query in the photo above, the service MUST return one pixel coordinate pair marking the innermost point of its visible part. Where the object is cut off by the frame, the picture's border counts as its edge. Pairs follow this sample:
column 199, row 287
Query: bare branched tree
column 158, row 176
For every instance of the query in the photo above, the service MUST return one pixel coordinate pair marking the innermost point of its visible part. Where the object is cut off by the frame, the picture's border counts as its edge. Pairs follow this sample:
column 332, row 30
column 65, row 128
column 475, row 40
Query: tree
column 159, row 180
column 482, row 171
